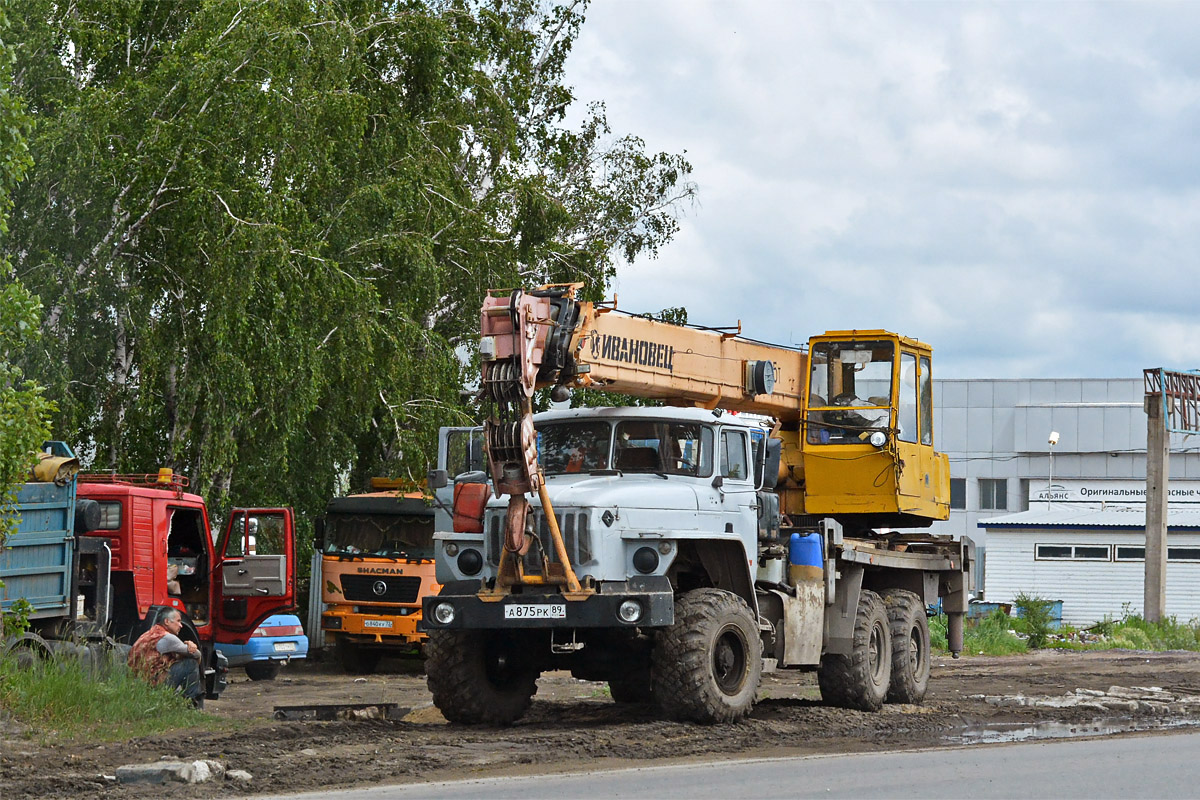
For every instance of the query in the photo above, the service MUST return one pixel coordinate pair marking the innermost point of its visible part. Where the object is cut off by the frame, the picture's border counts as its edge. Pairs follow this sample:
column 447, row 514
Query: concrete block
column 158, row 773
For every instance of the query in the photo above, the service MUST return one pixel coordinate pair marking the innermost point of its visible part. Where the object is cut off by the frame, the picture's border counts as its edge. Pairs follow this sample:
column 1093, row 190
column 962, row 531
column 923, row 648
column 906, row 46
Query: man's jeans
column 185, row 676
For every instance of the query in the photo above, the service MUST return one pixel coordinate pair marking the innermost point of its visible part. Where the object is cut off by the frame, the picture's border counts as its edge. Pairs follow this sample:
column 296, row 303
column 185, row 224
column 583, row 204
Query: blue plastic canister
column 805, row 557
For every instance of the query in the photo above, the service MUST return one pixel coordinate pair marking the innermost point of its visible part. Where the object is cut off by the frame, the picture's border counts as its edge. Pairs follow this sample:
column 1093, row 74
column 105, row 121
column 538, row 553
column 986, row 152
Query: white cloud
column 1017, row 184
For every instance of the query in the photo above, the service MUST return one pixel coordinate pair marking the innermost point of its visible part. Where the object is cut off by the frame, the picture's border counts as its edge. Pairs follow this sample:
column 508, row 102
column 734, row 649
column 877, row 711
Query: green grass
column 1132, row 632
column 988, row 636
column 63, row 700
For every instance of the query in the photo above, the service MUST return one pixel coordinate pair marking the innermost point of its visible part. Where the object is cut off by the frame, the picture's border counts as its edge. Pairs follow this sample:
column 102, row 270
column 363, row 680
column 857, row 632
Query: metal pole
column 1157, row 463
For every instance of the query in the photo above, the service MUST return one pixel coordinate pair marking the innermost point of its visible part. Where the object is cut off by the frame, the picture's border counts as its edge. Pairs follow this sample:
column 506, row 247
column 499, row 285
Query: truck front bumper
column 397, row 629
column 461, row 606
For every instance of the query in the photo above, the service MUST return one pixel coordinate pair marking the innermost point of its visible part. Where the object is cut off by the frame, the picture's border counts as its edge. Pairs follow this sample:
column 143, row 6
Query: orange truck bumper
column 398, row 629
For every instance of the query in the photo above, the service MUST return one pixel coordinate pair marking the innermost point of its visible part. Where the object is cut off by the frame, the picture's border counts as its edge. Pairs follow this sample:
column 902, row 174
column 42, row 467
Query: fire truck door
column 256, row 570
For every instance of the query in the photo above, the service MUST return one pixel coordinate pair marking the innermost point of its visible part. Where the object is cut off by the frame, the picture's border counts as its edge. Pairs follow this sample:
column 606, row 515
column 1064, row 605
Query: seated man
column 160, row 655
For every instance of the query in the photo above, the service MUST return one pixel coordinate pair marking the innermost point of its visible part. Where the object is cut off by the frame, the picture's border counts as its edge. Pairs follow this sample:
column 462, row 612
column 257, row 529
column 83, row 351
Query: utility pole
column 1157, row 474
column 1172, row 406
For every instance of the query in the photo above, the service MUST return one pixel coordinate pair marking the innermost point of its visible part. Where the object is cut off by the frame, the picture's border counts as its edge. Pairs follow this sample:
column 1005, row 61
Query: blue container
column 804, row 550
column 1055, row 614
column 35, row 562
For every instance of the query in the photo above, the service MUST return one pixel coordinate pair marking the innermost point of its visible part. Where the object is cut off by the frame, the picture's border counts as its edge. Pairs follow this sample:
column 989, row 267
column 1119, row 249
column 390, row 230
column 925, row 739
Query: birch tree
column 23, row 407
column 262, row 230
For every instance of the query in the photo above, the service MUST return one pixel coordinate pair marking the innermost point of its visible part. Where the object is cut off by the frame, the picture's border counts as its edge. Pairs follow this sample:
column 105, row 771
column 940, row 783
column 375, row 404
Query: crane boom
column 632, row 355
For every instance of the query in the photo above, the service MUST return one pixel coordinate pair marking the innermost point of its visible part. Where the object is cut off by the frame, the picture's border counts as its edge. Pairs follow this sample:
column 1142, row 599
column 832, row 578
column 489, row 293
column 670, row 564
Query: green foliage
column 15, row 619
column 1035, row 618
column 987, row 636
column 64, row 700
column 1135, row 633
column 23, row 407
column 263, row 230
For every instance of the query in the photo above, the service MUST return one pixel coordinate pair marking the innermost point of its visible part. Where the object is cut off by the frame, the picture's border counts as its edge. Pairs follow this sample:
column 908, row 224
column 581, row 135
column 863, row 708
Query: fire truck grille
column 381, row 588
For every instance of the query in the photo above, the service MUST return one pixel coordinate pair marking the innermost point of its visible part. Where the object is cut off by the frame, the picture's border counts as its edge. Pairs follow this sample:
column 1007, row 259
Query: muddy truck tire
column 861, row 679
column 910, row 646
column 479, row 677
column 708, row 663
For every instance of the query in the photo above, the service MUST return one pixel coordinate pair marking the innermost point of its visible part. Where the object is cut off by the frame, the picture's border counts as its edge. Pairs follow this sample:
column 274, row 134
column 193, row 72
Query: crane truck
column 767, row 517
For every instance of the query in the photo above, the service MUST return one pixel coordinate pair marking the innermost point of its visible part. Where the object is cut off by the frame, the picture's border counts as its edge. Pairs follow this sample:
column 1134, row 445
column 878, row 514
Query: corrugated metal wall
column 35, row 562
column 1090, row 590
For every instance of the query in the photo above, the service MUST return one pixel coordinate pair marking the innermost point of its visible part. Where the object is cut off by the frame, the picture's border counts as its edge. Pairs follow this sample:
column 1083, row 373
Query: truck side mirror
column 718, row 482
column 438, row 479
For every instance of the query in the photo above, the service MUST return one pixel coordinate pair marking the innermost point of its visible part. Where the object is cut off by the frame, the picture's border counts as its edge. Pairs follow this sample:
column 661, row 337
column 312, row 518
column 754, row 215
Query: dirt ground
column 575, row 725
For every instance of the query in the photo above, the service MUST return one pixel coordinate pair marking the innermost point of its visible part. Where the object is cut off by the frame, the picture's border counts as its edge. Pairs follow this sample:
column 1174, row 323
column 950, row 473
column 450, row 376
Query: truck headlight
column 630, row 611
column 645, row 560
column 470, row 562
column 878, row 438
column 443, row 613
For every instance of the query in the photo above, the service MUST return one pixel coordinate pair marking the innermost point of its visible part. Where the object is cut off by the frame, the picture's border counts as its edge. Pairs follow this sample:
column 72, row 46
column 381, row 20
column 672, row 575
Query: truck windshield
column 381, row 535
column 850, row 393
column 574, row 446
column 664, row 447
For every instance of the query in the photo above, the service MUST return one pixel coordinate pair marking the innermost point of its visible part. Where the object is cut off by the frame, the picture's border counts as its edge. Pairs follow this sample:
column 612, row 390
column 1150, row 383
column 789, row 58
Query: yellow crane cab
column 867, row 444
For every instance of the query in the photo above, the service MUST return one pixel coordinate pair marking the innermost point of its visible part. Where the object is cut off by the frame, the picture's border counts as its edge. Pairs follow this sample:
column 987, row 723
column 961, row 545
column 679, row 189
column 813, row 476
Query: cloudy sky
column 1017, row 184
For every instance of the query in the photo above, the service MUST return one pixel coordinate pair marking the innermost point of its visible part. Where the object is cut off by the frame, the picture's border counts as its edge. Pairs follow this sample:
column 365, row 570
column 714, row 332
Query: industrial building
column 1064, row 521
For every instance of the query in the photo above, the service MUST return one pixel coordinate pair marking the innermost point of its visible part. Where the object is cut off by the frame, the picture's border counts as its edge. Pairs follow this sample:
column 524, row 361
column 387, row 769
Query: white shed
column 1091, row 556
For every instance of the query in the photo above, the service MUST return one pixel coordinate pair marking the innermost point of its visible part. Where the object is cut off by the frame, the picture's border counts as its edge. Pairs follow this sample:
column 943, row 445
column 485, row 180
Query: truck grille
column 396, row 589
column 576, row 537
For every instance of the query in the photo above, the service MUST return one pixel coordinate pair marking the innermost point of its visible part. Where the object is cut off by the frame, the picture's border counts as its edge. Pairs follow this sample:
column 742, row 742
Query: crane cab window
column 850, row 391
column 906, row 407
column 926, row 400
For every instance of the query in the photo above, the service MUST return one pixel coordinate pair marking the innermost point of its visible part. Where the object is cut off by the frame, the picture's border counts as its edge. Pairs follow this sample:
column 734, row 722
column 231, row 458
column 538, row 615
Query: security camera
column 1053, row 438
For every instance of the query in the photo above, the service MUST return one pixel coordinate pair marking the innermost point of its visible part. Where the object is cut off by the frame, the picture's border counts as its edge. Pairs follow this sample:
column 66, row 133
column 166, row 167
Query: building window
column 958, row 493
column 1183, row 554
column 1127, row 552
column 993, row 494
column 1071, row 552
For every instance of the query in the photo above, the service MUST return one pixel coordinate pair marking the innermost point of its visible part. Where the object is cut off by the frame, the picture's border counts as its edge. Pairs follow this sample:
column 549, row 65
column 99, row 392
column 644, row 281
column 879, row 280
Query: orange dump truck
column 376, row 566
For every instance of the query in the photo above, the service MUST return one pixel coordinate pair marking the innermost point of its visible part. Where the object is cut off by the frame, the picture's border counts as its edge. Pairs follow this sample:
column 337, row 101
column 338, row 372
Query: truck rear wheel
column 707, row 665
column 354, row 658
column 860, row 680
column 479, row 678
column 910, row 647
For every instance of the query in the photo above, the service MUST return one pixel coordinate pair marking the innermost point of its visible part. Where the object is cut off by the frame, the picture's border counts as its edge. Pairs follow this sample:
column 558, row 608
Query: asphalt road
column 1152, row 766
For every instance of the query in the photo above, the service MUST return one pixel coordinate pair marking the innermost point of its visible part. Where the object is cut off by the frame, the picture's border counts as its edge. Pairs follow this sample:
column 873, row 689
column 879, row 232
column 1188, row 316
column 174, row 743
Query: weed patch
column 989, row 636
column 64, row 700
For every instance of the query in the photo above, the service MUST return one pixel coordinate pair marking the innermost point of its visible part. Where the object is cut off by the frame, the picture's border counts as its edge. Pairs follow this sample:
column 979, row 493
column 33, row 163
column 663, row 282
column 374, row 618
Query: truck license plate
column 536, row 611
column 285, row 647
column 377, row 623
